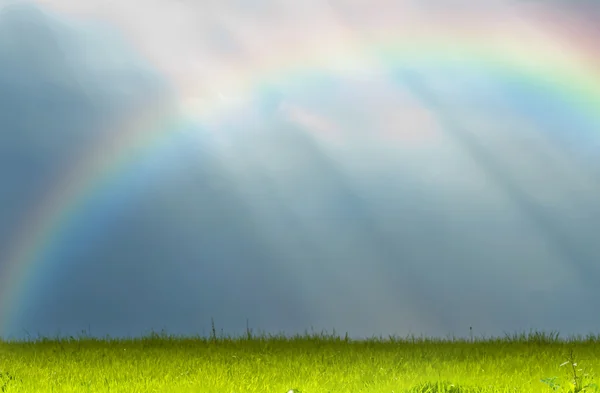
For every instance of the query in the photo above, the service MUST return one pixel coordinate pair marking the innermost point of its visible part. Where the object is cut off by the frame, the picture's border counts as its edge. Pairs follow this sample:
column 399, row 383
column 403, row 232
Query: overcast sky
column 307, row 181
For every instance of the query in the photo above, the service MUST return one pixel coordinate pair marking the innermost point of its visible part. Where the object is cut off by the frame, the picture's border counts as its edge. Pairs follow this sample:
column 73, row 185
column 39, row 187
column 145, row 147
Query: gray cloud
column 370, row 200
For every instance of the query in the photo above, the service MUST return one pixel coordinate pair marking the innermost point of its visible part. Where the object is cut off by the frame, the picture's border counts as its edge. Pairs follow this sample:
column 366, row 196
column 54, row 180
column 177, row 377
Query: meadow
column 310, row 363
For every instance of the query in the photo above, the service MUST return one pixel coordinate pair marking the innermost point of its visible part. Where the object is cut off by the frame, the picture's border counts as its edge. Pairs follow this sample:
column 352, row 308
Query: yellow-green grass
column 310, row 363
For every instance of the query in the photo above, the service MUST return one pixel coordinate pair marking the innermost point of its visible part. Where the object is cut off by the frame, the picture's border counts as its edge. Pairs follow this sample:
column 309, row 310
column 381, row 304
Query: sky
column 374, row 167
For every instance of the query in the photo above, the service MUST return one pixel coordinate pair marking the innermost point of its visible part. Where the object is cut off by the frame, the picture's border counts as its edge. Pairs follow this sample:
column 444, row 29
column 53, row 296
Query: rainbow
column 519, row 54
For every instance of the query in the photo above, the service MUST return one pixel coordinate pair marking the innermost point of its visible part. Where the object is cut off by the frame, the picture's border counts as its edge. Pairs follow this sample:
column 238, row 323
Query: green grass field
column 534, row 362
